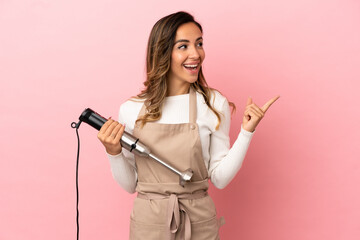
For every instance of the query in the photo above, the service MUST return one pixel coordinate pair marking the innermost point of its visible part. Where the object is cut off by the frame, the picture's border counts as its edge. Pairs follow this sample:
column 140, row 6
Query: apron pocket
column 205, row 230
column 141, row 231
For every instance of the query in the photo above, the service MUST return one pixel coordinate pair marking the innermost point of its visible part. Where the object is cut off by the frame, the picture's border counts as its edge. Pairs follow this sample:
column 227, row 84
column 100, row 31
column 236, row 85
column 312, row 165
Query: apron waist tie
column 176, row 211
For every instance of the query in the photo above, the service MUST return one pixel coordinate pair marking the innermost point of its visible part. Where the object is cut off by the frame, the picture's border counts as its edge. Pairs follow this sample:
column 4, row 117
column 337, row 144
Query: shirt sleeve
column 225, row 162
column 122, row 165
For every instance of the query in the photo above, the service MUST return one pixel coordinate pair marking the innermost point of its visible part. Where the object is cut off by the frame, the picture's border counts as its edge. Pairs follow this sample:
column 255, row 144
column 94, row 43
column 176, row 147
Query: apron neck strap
column 192, row 105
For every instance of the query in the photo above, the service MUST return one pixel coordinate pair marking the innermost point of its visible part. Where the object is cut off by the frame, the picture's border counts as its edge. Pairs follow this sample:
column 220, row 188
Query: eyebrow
column 184, row 40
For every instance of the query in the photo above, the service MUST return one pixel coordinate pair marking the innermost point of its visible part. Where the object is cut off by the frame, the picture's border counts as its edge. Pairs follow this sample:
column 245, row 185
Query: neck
column 178, row 90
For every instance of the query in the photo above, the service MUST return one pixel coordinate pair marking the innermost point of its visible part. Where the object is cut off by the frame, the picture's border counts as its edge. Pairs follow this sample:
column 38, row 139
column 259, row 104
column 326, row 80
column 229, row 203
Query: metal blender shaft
column 165, row 164
column 132, row 144
column 184, row 176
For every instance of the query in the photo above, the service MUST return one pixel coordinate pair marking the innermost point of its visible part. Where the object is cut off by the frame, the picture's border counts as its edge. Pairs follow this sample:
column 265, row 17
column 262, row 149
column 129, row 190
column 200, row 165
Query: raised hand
column 253, row 114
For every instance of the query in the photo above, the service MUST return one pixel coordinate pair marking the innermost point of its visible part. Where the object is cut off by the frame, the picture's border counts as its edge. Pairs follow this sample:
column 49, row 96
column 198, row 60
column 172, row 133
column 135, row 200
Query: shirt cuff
column 114, row 156
column 246, row 133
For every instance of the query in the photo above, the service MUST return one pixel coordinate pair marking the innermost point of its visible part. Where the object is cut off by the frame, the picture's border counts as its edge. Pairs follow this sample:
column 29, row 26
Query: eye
column 182, row 46
column 200, row 44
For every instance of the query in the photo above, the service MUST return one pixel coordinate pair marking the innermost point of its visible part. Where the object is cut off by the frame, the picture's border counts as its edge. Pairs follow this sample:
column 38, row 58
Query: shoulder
column 129, row 110
column 216, row 100
column 220, row 104
column 131, row 103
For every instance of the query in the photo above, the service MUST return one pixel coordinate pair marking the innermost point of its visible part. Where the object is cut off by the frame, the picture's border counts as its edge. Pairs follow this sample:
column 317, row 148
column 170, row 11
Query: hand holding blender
column 114, row 137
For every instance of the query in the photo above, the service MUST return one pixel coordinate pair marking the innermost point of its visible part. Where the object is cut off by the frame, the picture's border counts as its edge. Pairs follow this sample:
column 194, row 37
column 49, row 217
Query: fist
column 110, row 135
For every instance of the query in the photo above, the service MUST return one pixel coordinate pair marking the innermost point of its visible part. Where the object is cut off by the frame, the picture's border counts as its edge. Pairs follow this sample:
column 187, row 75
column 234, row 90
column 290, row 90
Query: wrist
column 113, row 152
column 246, row 129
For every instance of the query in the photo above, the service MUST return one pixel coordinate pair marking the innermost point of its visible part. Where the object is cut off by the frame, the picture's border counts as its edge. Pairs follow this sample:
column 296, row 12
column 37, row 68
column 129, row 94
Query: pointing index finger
column 269, row 103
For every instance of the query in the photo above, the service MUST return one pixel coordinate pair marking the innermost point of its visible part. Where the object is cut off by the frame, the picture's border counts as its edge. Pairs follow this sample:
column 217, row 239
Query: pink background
column 300, row 178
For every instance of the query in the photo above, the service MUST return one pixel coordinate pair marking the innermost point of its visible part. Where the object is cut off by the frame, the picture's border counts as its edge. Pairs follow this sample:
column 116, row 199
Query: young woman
column 186, row 124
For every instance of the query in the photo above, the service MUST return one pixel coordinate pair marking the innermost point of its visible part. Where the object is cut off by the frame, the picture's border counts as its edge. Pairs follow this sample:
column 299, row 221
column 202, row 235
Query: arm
column 123, row 171
column 123, row 164
column 225, row 162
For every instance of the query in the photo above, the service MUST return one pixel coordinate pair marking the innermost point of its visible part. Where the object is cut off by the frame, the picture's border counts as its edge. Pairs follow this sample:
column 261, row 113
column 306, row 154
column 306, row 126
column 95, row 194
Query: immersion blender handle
column 92, row 118
column 127, row 141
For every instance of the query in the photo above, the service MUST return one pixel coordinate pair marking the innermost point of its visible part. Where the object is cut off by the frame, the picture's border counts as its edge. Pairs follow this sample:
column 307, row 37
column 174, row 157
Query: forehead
column 188, row 31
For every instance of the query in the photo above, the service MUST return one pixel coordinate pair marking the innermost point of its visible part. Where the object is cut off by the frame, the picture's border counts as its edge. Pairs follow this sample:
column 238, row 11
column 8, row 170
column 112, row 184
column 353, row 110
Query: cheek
column 177, row 58
column 176, row 61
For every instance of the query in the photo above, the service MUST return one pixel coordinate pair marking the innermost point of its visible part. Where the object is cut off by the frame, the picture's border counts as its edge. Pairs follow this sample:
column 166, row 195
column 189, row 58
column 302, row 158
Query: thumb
column 249, row 101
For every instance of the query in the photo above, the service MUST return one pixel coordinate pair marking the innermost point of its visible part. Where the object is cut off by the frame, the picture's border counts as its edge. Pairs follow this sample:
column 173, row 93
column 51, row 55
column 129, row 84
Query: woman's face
column 187, row 56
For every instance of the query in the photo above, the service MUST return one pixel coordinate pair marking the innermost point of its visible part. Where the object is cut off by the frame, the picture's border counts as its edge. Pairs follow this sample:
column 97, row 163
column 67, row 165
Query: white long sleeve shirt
column 221, row 161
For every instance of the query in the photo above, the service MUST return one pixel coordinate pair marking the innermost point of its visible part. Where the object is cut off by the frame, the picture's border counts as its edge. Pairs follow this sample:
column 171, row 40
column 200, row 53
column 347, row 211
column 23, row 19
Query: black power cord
column 76, row 126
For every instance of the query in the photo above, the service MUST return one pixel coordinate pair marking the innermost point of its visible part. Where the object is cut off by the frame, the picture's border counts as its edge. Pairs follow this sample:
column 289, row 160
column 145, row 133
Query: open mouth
column 192, row 68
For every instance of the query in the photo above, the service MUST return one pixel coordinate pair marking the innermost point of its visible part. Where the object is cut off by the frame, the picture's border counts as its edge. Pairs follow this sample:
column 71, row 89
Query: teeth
column 193, row 66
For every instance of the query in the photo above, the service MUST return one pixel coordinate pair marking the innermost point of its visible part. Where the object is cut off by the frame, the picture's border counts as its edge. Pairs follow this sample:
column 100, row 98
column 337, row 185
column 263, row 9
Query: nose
column 194, row 53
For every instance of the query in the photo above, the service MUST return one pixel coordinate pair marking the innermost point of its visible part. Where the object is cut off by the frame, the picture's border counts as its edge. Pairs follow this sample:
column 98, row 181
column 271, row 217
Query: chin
column 192, row 80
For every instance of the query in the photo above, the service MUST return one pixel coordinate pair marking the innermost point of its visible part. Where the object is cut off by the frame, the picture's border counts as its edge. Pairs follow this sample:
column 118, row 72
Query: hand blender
column 132, row 144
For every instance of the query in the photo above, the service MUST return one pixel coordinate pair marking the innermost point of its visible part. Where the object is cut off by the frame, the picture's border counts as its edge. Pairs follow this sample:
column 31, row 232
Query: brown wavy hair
column 158, row 62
